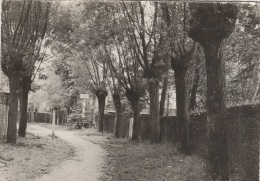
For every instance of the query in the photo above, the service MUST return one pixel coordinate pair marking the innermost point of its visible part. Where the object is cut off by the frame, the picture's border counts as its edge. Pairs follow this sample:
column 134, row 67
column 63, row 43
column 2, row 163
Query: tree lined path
column 203, row 57
column 87, row 163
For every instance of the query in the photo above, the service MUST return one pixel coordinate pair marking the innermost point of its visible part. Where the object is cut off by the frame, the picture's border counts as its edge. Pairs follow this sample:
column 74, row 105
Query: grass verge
column 31, row 157
column 130, row 161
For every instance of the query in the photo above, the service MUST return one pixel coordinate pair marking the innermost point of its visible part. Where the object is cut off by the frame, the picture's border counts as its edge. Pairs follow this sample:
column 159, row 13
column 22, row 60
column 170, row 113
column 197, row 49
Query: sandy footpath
column 32, row 157
column 85, row 166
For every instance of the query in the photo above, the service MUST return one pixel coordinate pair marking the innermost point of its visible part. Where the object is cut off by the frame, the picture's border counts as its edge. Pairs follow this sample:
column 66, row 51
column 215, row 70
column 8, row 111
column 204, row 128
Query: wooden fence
column 40, row 117
column 3, row 114
column 3, row 120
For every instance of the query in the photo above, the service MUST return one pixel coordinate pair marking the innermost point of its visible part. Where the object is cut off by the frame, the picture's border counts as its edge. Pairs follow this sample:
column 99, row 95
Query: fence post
column 63, row 117
column 51, row 118
column 131, row 127
column 32, row 116
column 58, row 116
column 53, row 122
column 35, row 116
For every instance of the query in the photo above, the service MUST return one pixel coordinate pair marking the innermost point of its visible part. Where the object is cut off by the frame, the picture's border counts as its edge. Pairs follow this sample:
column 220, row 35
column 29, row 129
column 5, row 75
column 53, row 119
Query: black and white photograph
column 113, row 90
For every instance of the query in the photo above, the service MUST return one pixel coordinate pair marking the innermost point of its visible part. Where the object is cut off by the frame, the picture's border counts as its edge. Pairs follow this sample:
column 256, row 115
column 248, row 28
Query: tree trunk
column 168, row 104
column 118, row 107
column 154, row 111
column 14, row 81
column 182, row 82
column 134, row 100
column 24, row 91
column 101, row 108
column 216, row 110
column 210, row 31
column 194, row 87
column 163, row 96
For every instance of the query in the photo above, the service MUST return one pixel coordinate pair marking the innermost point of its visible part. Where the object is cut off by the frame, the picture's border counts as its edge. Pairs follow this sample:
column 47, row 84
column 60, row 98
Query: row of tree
column 131, row 49
column 24, row 25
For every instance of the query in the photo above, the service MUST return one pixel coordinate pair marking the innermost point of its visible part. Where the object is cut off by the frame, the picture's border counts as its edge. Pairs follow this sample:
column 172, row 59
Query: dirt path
column 85, row 166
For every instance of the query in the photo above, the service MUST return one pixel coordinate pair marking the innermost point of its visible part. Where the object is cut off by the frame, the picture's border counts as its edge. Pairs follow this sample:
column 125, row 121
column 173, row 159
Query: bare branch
column 93, row 80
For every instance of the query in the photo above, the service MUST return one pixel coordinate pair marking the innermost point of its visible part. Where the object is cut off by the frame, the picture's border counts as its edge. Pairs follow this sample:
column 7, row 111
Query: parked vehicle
column 76, row 121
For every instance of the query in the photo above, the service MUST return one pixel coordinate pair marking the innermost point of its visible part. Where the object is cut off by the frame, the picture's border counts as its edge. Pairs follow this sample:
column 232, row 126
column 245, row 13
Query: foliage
column 52, row 91
column 242, row 58
column 22, row 35
column 242, row 61
column 4, row 85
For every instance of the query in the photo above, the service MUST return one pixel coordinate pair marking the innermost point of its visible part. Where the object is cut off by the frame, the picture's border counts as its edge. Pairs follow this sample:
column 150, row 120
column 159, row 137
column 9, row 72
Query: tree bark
column 118, row 107
column 101, row 95
column 182, row 82
column 163, row 97
column 210, row 32
column 216, row 110
column 194, row 88
column 182, row 66
column 14, row 80
column 154, row 111
column 24, row 91
column 134, row 99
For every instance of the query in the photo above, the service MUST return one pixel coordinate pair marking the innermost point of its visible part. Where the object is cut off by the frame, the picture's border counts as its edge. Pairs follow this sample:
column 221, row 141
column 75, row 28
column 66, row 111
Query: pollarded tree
column 125, row 67
column 165, row 83
column 23, row 28
column 145, row 27
column 210, row 25
column 117, row 94
column 181, row 55
column 33, row 59
column 199, row 59
column 97, row 69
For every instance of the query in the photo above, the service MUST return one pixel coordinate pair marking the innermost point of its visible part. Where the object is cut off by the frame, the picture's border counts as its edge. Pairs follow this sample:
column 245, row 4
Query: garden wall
column 109, row 120
column 243, row 136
